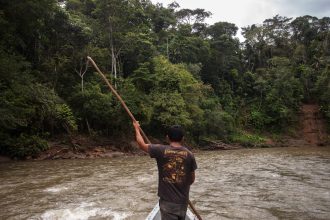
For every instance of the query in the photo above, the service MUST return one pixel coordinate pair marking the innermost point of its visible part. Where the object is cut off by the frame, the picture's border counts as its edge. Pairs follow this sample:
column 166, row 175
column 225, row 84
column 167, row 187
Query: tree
column 224, row 55
column 323, row 92
column 279, row 94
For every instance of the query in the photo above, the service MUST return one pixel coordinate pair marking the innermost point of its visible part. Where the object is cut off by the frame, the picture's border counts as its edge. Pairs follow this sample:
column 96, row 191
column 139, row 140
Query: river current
column 276, row 183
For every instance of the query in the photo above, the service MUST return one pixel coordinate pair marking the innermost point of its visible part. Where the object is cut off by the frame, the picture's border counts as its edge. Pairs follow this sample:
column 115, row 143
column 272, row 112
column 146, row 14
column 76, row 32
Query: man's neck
column 176, row 144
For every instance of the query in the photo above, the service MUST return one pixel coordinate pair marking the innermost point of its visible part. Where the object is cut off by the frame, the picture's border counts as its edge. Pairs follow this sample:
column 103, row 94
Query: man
column 176, row 172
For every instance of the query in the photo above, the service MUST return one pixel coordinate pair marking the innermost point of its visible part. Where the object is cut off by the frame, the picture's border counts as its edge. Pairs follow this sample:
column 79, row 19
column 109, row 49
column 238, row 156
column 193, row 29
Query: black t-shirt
column 175, row 165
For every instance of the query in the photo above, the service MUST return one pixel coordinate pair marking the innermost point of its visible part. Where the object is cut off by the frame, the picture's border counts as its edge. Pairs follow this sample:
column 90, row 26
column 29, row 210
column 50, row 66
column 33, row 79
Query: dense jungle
column 170, row 67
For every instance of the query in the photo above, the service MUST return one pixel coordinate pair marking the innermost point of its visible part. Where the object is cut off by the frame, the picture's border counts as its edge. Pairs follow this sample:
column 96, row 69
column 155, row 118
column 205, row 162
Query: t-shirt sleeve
column 155, row 151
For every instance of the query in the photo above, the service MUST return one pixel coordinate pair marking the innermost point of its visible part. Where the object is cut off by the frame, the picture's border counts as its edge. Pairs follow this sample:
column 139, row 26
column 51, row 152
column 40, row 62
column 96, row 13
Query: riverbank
column 4, row 159
column 90, row 147
column 87, row 147
column 84, row 147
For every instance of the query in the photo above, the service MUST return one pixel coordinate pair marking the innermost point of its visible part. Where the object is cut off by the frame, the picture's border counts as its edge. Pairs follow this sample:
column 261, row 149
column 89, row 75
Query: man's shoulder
column 159, row 146
column 182, row 150
column 188, row 149
column 169, row 149
column 156, row 150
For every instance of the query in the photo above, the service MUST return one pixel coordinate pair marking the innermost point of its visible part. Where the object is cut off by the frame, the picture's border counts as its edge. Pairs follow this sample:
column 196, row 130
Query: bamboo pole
column 132, row 117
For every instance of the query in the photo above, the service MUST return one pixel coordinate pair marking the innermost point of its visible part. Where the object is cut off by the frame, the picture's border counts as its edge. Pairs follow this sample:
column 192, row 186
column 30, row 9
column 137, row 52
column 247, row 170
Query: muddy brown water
column 277, row 183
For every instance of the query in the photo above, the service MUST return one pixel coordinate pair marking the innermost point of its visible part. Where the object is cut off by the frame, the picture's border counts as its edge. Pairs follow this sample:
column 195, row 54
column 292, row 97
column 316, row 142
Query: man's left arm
column 193, row 168
column 192, row 177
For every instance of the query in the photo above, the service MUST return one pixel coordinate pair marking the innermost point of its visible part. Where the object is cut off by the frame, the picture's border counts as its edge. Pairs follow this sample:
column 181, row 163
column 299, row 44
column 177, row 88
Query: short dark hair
column 175, row 133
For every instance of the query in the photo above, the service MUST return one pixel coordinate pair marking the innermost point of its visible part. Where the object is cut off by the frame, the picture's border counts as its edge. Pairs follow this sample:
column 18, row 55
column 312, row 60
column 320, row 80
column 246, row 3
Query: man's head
column 175, row 133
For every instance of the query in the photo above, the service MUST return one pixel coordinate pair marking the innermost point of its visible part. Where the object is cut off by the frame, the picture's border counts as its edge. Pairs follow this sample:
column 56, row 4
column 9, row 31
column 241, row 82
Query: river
column 276, row 183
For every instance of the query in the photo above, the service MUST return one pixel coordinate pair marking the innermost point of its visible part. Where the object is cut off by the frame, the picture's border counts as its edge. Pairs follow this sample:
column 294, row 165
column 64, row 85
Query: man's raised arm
column 139, row 139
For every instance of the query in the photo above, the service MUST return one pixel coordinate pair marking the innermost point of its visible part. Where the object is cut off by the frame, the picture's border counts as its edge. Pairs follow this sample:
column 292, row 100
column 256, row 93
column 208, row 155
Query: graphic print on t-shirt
column 174, row 169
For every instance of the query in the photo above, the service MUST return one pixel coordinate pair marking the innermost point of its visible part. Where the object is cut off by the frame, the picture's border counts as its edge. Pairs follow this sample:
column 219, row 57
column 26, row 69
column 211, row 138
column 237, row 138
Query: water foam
column 56, row 189
column 83, row 212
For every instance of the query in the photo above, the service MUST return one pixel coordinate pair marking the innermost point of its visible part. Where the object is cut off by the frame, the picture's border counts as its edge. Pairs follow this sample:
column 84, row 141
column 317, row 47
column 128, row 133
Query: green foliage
column 307, row 77
column 139, row 103
column 28, row 109
column 247, row 140
column 176, row 97
column 174, row 94
column 170, row 109
column 26, row 145
column 323, row 91
column 277, row 96
column 167, row 63
column 224, row 56
column 258, row 120
column 103, row 111
column 217, row 124
column 93, row 105
column 64, row 116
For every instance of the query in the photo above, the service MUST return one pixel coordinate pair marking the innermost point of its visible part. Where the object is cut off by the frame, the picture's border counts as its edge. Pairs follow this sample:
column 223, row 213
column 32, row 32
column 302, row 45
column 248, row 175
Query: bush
column 65, row 117
column 23, row 146
column 323, row 90
column 258, row 120
column 247, row 140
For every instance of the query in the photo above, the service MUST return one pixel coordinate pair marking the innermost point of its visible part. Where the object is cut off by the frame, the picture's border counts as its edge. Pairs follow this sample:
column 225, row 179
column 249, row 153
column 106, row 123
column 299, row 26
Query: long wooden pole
column 118, row 96
column 132, row 117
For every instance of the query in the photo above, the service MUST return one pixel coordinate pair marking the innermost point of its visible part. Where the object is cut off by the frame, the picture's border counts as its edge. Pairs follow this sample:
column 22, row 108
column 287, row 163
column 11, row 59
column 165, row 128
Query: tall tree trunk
column 168, row 56
column 82, row 83
column 113, row 56
column 88, row 127
column 81, row 74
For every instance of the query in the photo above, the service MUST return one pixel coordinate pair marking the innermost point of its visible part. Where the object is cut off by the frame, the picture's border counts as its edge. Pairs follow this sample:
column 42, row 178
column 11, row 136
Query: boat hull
column 155, row 214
